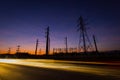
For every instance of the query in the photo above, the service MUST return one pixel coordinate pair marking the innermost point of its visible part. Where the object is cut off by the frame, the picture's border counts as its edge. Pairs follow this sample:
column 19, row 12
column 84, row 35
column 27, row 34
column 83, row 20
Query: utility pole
column 47, row 41
column 18, row 49
column 36, row 47
column 66, row 44
column 96, row 49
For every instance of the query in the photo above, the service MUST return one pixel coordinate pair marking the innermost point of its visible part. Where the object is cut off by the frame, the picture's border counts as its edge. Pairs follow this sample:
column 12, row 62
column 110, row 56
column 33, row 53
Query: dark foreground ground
column 22, row 72
column 73, row 56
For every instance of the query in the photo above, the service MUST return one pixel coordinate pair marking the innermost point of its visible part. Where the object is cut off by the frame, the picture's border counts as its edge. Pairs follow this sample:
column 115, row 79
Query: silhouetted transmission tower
column 47, row 42
column 84, row 42
column 9, row 50
column 18, row 49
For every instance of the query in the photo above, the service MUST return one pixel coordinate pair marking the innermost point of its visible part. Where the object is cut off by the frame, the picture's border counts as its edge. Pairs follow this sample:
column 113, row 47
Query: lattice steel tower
column 18, row 49
column 84, row 42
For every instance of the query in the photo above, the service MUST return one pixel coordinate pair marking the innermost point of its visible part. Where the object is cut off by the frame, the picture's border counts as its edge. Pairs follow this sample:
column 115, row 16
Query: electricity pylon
column 84, row 42
column 18, row 49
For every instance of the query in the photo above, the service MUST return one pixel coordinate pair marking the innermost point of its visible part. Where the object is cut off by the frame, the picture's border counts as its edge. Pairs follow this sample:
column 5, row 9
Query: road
column 43, row 69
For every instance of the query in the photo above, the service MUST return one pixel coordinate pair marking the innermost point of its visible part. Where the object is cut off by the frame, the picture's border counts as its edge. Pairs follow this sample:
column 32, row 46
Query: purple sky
column 22, row 22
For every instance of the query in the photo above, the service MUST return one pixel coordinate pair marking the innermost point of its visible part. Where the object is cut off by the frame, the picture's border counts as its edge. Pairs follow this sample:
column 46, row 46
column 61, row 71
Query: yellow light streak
column 62, row 65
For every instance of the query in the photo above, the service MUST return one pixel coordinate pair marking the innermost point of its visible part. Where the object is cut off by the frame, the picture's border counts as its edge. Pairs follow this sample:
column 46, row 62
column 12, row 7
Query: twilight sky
column 23, row 21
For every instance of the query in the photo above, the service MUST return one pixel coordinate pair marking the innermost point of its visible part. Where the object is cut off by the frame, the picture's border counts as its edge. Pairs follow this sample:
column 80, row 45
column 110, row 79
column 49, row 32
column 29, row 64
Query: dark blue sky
column 22, row 22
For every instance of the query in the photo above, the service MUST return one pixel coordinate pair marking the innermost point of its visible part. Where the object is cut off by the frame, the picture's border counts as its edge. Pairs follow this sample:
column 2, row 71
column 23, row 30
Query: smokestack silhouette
column 36, row 47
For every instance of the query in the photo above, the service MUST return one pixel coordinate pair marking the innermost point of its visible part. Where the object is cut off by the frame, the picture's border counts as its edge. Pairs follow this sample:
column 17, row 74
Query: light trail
column 64, row 65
